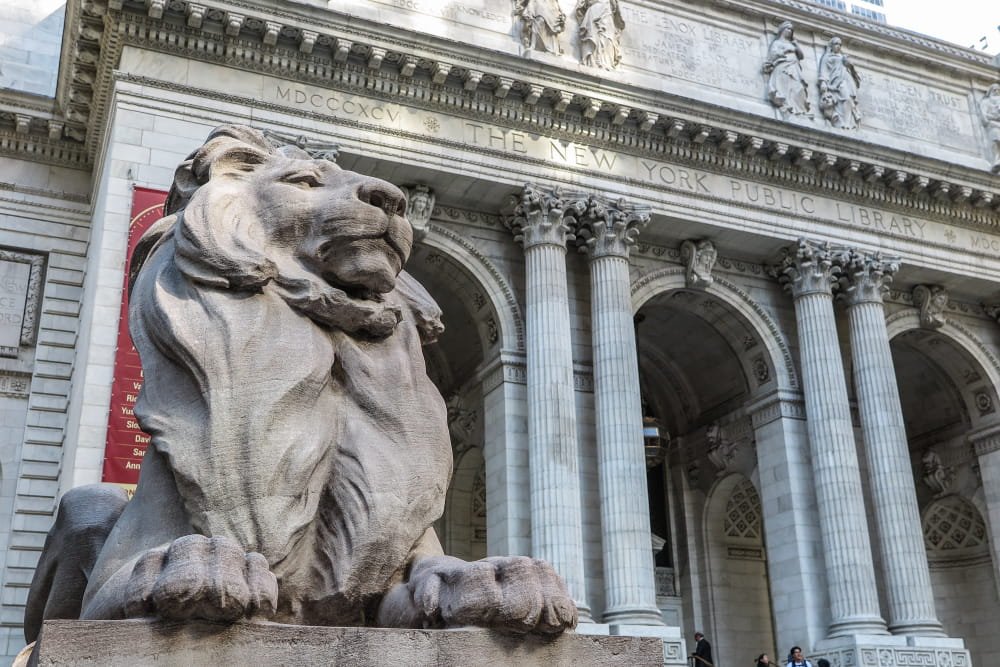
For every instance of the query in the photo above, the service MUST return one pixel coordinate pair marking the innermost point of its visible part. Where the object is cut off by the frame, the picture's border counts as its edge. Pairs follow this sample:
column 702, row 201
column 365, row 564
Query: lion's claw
column 201, row 577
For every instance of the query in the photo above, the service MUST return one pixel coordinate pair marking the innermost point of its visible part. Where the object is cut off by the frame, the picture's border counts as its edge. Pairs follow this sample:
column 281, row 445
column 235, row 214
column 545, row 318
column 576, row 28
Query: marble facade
column 817, row 333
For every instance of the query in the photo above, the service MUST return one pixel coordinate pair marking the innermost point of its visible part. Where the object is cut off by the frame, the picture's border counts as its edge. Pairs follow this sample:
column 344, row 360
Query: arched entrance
column 947, row 393
column 702, row 364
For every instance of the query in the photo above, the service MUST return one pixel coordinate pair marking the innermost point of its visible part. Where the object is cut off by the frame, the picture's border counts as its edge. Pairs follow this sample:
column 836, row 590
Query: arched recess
column 948, row 379
column 706, row 356
column 737, row 571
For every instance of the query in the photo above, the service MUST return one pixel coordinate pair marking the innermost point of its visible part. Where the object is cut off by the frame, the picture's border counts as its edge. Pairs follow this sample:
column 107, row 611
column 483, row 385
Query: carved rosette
column 808, row 267
column 865, row 277
column 932, row 301
column 540, row 218
column 607, row 228
column 699, row 261
column 419, row 207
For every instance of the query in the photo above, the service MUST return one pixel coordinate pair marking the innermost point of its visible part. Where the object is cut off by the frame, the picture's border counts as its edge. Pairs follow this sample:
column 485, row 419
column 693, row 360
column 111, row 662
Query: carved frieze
column 787, row 89
column 600, row 26
column 607, row 227
column 541, row 22
column 989, row 108
column 14, row 384
column 932, row 300
column 838, row 87
column 865, row 277
column 699, row 260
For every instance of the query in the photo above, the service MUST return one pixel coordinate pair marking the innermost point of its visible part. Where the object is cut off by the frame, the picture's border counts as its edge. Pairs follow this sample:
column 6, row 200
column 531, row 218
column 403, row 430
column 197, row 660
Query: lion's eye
column 306, row 179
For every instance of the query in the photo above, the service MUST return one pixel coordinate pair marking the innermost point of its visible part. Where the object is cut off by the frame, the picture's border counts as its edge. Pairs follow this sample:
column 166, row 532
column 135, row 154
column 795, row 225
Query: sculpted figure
column 787, row 89
column 601, row 26
column 990, row 110
column 419, row 207
column 299, row 452
column 542, row 21
column 699, row 260
column 932, row 300
column 838, row 87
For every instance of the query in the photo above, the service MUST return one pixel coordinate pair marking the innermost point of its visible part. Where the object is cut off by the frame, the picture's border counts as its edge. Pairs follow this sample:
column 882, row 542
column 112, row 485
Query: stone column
column 808, row 272
column 986, row 445
column 865, row 278
column 608, row 231
column 539, row 226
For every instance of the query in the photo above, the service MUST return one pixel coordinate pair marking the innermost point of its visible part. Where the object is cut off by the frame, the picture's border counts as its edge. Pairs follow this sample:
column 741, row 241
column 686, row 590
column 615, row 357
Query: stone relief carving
column 932, row 300
column 699, row 260
column 419, row 207
column 721, row 450
column 461, row 425
column 20, row 299
column 838, row 87
column 542, row 21
column 787, row 89
column 299, row 452
column 989, row 107
column 601, row 27
column 937, row 476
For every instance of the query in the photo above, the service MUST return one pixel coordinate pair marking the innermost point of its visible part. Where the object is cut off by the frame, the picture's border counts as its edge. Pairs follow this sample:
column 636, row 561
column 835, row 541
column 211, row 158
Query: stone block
column 128, row 643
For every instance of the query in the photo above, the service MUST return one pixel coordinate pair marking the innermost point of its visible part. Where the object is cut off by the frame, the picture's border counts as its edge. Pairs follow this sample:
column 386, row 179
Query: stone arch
column 738, row 588
column 498, row 291
column 779, row 355
column 985, row 362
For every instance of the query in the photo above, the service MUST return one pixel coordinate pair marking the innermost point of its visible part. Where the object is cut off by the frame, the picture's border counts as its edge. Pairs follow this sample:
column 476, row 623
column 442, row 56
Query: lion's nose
column 385, row 196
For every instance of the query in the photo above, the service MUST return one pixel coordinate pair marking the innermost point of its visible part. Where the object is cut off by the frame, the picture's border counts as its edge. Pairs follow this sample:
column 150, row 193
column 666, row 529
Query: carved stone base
column 130, row 643
column 893, row 651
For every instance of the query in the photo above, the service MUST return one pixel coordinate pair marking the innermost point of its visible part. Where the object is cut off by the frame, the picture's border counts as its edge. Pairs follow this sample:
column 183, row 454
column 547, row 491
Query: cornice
column 378, row 61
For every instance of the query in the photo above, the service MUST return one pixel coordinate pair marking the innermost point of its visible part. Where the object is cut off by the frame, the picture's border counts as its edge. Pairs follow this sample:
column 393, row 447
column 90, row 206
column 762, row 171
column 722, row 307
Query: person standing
column 795, row 658
column 702, row 651
column 763, row 661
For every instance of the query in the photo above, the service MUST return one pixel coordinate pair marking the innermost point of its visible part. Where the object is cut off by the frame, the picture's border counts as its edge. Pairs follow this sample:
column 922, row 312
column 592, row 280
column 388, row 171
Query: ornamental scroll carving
column 865, row 277
column 541, row 217
column 932, row 300
column 808, row 267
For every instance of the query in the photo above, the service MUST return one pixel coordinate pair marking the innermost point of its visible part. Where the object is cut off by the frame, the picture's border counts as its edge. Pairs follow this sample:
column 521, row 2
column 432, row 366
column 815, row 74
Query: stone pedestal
column 130, row 643
column 892, row 651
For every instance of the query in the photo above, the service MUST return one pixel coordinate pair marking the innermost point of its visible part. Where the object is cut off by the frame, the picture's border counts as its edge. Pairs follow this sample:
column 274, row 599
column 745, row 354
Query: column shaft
column 847, row 550
column 908, row 583
column 629, row 585
column 556, row 520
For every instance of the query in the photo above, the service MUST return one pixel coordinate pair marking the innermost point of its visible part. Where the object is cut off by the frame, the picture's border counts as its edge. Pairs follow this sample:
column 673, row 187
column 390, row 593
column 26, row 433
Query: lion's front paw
column 515, row 593
column 201, row 577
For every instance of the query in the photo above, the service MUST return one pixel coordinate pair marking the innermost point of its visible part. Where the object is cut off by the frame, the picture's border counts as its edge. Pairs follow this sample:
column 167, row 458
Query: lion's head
column 245, row 214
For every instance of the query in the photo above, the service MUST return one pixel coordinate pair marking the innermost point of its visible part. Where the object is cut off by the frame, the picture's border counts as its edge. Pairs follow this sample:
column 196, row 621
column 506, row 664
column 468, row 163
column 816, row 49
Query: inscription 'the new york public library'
column 579, row 157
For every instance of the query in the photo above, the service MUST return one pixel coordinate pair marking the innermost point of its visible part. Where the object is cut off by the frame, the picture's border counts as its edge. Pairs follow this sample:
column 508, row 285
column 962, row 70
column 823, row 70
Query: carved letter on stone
column 787, row 89
column 300, row 454
column 541, row 23
column 990, row 110
column 601, row 27
column 838, row 87
column 932, row 301
column 419, row 206
column 699, row 260
column 20, row 298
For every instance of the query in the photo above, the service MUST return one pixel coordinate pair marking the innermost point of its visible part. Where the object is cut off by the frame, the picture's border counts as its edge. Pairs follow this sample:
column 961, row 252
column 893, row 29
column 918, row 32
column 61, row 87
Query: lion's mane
column 296, row 416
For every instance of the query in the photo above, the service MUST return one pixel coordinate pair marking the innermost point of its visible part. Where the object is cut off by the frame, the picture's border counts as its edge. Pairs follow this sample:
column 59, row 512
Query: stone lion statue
column 299, row 452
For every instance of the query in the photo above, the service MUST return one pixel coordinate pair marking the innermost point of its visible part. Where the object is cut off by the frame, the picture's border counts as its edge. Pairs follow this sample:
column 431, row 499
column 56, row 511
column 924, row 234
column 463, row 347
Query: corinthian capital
column 865, row 277
column 540, row 218
column 606, row 227
column 808, row 267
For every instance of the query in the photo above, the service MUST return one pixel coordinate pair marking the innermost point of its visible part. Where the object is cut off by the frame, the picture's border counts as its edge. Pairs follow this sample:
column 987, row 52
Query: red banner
column 126, row 442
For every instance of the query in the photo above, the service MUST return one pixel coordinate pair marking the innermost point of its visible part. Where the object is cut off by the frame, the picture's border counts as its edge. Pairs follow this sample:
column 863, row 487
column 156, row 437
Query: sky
column 963, row 22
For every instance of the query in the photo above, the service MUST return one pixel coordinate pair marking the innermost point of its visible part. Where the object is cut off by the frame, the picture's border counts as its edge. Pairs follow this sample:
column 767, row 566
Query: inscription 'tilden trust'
column 578, row 156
